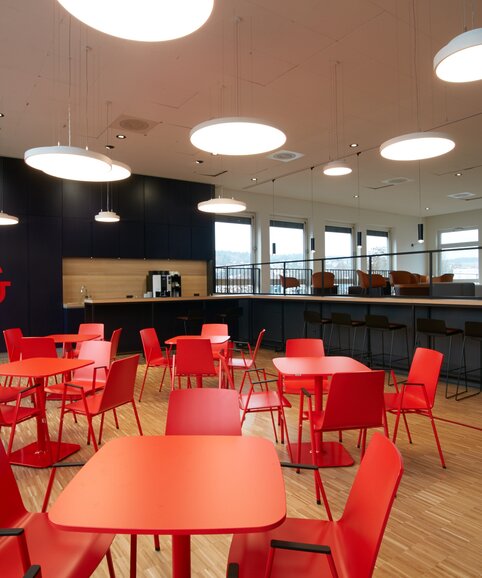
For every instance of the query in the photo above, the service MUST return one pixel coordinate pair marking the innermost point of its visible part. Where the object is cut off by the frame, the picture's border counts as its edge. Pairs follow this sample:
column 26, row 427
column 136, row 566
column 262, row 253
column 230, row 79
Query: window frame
column 239, row 219
column 461, row 245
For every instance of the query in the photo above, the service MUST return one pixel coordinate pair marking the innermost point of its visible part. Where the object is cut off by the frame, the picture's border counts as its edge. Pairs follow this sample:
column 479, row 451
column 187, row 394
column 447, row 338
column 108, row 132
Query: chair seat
column 239, row 363
column 261, row 400
column 93, row 403
column 56, row 390
column 290, row 564
column 159, row 362
column 69, row 554
column 7, row 414
column 410, row 401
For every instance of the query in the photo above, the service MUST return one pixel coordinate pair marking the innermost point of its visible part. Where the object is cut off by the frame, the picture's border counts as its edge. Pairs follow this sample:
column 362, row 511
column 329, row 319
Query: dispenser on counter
column 164, row 283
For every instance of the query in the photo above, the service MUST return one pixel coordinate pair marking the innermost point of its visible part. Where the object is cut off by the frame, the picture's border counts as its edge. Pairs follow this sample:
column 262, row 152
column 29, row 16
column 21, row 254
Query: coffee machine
column 164, row 283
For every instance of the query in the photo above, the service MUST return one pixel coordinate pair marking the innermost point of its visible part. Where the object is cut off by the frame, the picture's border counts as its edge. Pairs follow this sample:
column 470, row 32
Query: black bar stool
column 314, row 318
column 344, row 321
column 191, row 316
column 381, row 324
column 472, row 332
column 433, row 329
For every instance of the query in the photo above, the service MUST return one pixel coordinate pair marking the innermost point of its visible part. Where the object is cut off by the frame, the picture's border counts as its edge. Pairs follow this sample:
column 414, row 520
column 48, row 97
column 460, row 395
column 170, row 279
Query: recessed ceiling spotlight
column 353, row 145
column 356, row 196
column 109, row 147
column 427, row 208
column 199, row 162
column 458, row 174
column 120, row 136
column 1, row 115
column 254, row 179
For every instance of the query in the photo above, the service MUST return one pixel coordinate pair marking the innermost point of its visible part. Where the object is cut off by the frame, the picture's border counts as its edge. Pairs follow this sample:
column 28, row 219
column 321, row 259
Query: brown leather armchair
column 289, row 282
column 324, row 283
column 445, row 278
column 377, row 281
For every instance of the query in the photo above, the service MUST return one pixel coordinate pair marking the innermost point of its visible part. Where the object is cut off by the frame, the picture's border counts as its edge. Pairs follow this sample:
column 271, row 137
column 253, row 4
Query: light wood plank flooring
column 435, row 529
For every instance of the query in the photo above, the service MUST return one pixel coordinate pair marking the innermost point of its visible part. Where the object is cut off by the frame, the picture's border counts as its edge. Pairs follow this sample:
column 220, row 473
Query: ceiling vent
column 461, row 196
column 284, row 156
column 396, row 181
column 132, row 124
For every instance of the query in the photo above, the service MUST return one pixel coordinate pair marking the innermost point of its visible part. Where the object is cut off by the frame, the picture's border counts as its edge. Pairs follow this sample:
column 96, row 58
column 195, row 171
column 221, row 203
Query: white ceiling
column 287, row 53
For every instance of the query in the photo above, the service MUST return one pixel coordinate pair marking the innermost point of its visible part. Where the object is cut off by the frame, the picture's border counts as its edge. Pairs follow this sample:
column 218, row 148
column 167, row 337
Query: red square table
column 39, row 453
column 178, row 485
column 68, row 339
column 330, row 454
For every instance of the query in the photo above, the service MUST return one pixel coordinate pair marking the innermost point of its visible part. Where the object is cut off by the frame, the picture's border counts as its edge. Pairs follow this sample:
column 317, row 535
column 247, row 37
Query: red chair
column 203, row 411
column 193, row 358
column 114, row 344
column 347, row 548
column 245, row 362
column 355, row 402
column 209, row 329
column 12, row 342
column 118, row 391
column 37, row 347
column 89, row 329
column 303, row 347
column 153, row 354
column 417, row 395
column 28, row 537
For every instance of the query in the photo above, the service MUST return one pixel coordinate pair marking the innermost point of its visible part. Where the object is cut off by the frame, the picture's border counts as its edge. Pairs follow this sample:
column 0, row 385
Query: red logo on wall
column 3, row 287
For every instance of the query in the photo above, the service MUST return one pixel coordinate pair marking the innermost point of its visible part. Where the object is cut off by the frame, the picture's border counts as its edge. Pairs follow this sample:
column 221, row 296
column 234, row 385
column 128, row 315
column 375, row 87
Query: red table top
column 73, row 337
column 317, row 366
column 37, row 367
column 176, row 485
column 214, row 339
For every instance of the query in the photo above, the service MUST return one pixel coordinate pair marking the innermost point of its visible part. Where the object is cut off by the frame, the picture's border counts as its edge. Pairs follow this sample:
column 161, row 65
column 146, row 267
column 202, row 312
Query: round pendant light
column 222, row 205
column 6, row 219
column 416, row 146
column 142, row 20
column 461, row 59
column 119, row 171
column 236, row 136
column 107, row 217
column 336, row 169
column 67, row 162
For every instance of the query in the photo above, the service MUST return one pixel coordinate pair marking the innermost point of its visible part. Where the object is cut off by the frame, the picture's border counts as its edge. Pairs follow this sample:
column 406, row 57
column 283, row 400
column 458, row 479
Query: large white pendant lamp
column 461, row 59
column 416, row 146
column 236, row 136
column 109, row 215
column 220, row 205
column 336, row 169
column 119, row 171
column 142, row 20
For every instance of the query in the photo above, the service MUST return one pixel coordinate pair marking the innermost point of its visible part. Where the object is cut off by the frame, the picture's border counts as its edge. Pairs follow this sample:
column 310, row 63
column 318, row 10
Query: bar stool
column 344, row 320
column 472, row 332
column 381, row 324
column 433, row 328
column 314, row 318
column 191, row 315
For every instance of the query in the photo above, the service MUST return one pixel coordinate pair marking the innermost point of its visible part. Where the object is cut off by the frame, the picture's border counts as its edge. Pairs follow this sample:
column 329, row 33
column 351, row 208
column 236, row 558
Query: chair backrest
column 426, row 325
column 323, row 279
column 445, row 278
column 402, row 278
column 120, row 383
column 214, row 329
column 37, row 347
column 92, row 329
column 203, row 411
column 258, row 343
column 369, row 503
column 100, row 353
column 288, row 282
column 341, row 318
column 377, row 321
column 12, row 341
column 12, row 509
column 425, row 368
column 310, row 316
column 114, row 343
column 150, row 344
column 355, row 400
column 305, row 347
column 364, row 280
column 193, row 357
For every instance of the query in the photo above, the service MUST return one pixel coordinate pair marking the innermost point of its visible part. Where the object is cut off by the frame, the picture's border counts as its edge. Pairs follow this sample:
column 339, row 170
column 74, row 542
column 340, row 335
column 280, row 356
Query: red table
column 329, row 454
column 68, row 339
column 178, row 485
column 214, row 339
column 39, row 453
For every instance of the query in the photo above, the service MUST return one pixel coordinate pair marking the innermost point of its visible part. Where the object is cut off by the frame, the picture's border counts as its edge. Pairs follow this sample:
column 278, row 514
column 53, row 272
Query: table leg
column 181, row 556
column 133, row 567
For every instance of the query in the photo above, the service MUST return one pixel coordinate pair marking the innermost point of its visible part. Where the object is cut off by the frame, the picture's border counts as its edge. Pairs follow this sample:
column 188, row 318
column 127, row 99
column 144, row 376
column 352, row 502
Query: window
column 464, row 264
column 287, row 243
column 378, row 243
column 233, row 240
column 339, row 244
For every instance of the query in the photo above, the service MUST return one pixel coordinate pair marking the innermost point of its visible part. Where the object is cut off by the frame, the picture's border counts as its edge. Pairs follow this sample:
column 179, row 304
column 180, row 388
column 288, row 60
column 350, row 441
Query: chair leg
column 437, row 441
column 137, row 417
column 110, row 563
column 143, row 382
column 115, row 418
column 101, row 428
column 91, row 431
column 321, row 490
column 162, row 378
column 157, row 545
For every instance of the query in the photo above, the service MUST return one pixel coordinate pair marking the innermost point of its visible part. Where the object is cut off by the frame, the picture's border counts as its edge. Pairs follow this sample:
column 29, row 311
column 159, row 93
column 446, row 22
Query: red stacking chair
column 203, row 411
column 89, row 329
column 28, row 537
column 347, row 548
column 417, row 393
column 303, row 347
column 354, row 402
column 118, row 390
column 246, row 361
column 209, row 329
column 114, row 343
column 153, row 354
column 37, row 347
column 12, row 342
column 193, row 358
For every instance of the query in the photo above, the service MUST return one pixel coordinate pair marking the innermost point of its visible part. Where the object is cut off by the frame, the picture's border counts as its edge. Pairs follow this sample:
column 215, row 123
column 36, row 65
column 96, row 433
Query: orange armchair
column 289, row 282
column 377, row 281
column 323, row 283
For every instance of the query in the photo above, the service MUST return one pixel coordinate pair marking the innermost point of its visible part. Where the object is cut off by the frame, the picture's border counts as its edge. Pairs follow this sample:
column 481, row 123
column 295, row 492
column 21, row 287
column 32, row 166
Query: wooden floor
column 435, row 529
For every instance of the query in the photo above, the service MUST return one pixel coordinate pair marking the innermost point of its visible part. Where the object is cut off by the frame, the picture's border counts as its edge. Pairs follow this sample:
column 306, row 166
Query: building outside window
column 464, row 263
column 287, row 243
column 378, row 243
column 234, row 246
column 338, row 248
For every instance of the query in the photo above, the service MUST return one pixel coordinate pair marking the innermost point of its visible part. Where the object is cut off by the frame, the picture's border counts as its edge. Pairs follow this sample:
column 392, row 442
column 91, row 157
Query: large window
column 287, row 241
column 339, row 244
column 378, row 244
column 233, row 240
column 464, row 263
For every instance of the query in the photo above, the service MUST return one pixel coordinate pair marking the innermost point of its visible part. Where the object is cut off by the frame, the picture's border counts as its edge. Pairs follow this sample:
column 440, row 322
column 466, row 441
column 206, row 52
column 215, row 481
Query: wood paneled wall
column 116, row 278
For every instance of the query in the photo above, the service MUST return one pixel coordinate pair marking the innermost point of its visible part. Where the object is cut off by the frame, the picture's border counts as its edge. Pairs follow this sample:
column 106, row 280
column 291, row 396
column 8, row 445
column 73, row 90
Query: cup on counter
column 148, row 294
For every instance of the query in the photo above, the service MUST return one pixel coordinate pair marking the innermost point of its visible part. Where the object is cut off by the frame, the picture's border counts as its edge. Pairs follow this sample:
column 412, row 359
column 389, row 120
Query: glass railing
column 295, row 277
